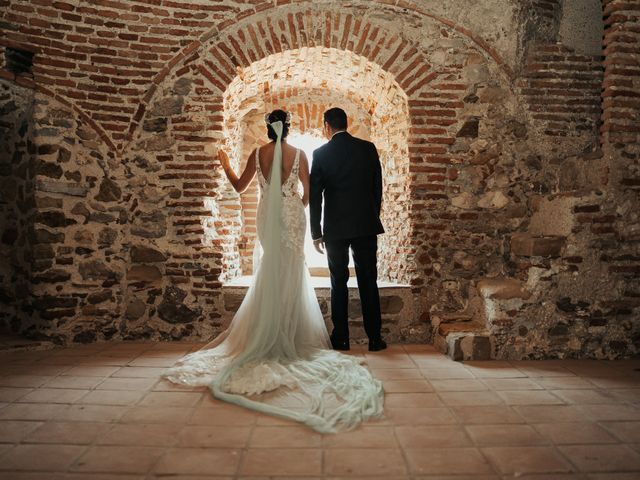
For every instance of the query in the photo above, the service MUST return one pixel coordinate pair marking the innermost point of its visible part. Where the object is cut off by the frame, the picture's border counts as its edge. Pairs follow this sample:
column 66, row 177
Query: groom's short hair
column 336, row 118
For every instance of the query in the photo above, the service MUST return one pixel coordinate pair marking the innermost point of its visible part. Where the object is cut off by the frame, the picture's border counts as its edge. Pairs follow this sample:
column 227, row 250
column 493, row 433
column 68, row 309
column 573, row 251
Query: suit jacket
column 345, row 172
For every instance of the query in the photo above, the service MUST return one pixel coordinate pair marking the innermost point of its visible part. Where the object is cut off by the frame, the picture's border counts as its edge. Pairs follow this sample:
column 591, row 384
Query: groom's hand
column 318, row 243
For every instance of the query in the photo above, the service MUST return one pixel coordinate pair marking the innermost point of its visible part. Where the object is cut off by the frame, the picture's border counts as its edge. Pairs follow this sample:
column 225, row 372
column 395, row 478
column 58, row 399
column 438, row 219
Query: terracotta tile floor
column 102, row 412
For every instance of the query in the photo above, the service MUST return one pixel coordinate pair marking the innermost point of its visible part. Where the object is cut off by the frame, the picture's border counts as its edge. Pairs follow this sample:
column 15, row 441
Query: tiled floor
column 101, row 412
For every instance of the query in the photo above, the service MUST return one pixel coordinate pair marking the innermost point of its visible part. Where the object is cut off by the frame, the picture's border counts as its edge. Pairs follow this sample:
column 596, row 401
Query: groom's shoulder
column 321, row 150
column 362, row 141
column 366, row 144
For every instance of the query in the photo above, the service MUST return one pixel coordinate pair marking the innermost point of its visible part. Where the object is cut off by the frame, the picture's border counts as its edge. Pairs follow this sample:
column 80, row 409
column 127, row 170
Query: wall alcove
column 306, row 82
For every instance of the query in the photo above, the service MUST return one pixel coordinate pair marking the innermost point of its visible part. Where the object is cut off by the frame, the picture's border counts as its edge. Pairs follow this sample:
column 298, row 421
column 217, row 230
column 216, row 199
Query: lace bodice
column 290, row 185
column 294, row 220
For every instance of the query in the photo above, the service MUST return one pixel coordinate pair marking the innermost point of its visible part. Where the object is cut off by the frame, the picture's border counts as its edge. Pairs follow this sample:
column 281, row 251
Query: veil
column 275, row 357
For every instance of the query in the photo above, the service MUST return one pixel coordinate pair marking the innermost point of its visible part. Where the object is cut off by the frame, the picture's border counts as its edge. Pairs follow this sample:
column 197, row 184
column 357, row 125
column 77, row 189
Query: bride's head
column 278, row 115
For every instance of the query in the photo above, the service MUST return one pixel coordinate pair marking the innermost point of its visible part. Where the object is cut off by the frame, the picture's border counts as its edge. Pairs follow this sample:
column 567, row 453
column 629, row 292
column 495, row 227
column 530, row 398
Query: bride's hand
column 223, row 158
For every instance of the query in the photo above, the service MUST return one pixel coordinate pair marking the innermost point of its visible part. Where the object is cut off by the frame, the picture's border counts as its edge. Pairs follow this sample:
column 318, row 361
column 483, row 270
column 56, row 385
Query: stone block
column 182, row 86
column 55, row 314
column 464, row 201
column 48, row 202
column 493, row 200
column 84, row 237
column 470, row 128
column 167, row 106
column 54, row 218
column 107, row 236
column 475, row 347
column 355, row 308
column 55, row 275
column 44, row 236
column 150, row 225
column 100, row 217
column 173, row 310
column 75, row 175
column 140, row 254
column 144, row 273
column 49, row 301
column 48, row 169
column 95, row 270
column 87, row 336
column 100, row 296
column 156, row 125
column 135, row 309
column 68, row 188
column 43, row 251
column 109, row 191
column 391, row 304
column 81, row 209
column 64, row 155
column 527, row 245
column 502, row 288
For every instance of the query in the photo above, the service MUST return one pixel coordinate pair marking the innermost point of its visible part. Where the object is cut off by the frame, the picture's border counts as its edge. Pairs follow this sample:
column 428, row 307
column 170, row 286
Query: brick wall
column 618, row 220
column 562, row 90
column 621, row 100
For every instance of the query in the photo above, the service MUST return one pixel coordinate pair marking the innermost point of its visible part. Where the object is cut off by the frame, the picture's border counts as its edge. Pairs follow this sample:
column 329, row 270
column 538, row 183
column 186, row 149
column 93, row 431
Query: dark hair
column 336, row 118
column 274, row 117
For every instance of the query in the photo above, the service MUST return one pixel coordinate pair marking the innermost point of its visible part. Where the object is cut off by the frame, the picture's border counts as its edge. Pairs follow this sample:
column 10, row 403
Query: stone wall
column 396, row 305
column 16, row 204
column 562, row 287
column 509, row 192
column 66, row 226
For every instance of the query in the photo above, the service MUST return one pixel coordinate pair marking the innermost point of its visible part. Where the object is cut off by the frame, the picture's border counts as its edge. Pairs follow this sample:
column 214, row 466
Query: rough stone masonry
column 508, row 131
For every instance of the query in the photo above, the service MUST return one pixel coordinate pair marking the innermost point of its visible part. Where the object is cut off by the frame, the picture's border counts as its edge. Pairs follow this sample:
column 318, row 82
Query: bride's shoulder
column 293, row 149
column 259, row 149
column 301, row 153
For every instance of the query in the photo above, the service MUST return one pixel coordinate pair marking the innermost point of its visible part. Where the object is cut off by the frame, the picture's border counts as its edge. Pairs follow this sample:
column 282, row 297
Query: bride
column 275, row 356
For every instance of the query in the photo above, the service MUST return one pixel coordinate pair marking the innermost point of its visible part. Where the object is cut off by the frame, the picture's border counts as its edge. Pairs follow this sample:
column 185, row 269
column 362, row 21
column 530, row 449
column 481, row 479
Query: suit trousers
column 365, row 261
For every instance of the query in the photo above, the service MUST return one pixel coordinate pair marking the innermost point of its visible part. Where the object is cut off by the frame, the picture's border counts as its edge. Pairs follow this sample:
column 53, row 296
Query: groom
column 347, row 172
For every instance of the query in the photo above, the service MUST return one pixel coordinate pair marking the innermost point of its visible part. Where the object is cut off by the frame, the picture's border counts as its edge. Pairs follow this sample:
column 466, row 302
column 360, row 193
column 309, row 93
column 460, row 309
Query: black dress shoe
column 339, row 344
column 377, row 345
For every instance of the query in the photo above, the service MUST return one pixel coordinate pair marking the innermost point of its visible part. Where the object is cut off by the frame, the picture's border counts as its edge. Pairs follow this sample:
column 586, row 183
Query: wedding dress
column 275, row 356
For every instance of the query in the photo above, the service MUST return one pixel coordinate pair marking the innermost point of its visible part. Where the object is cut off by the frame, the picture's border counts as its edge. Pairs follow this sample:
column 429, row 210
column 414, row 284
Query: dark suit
column 346, row 174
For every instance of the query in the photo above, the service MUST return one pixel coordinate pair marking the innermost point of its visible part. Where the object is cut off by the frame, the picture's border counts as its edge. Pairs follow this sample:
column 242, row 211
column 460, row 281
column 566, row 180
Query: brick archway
column 438, row 81
column 432, row 91
column 265, row 31
column 312, row 80
column 307, row 110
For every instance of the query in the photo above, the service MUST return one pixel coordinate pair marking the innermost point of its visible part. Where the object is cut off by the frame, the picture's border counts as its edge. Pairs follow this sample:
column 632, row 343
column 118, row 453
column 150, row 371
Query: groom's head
column 335, row 120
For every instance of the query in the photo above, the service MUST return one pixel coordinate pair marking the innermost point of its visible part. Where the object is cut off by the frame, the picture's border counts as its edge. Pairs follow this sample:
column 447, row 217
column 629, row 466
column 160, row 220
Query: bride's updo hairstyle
column 278, row 115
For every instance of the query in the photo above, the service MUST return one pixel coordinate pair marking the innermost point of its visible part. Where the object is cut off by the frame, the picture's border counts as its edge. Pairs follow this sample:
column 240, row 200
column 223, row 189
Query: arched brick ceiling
column 320, row 72
column 108, row 58
column 234, row 45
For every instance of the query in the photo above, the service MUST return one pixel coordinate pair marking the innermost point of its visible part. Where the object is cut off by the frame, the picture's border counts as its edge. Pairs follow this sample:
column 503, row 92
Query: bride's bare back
column 288, row 159
column 241, row 183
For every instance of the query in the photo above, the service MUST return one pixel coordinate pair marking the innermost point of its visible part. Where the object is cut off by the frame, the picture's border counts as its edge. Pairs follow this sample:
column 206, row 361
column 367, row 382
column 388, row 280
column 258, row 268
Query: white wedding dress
column 275, row 356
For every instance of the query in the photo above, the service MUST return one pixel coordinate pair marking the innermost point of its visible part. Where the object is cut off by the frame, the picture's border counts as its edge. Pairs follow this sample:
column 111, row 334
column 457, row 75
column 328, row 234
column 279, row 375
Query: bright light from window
column 308, row 142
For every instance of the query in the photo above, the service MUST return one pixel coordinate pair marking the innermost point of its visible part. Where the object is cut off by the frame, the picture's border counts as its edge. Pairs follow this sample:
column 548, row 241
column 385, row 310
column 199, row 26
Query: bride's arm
column 304, row 178
column 239, row 184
